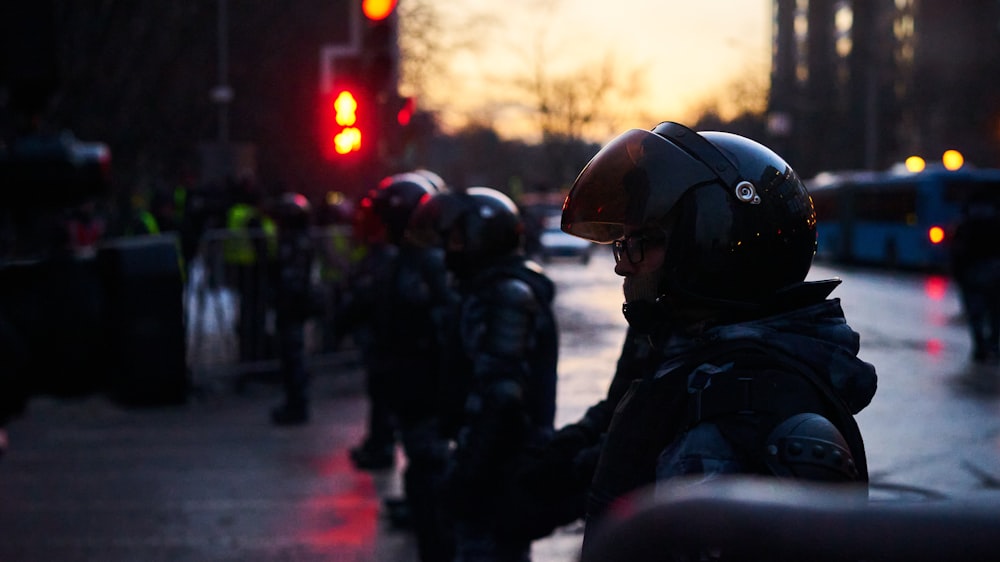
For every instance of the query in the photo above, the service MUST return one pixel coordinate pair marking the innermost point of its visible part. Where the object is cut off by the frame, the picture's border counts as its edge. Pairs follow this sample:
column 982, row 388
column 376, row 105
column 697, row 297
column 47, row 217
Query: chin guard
column 644, row 316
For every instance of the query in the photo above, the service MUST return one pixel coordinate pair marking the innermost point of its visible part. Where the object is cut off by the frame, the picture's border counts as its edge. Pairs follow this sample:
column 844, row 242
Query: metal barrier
column 224, row 304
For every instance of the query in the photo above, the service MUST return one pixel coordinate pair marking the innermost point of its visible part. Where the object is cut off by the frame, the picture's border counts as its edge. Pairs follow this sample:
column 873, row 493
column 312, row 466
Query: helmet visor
column 634, row 181
column 433, row 218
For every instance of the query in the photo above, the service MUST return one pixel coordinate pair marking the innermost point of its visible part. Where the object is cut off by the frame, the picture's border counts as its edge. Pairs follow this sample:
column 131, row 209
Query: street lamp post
column 222, row 93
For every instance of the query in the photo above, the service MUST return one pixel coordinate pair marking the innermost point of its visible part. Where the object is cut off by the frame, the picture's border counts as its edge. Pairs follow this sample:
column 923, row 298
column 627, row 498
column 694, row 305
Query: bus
column 894, row 219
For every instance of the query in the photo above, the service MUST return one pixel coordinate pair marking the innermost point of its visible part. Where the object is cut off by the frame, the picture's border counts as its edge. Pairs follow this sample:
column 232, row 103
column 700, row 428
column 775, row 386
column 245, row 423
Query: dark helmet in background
column 336, row 209
column 293, row 210
column 740, row 224
column 475, row 227
column 436, row 180
column 395, row 198
column 366, row 227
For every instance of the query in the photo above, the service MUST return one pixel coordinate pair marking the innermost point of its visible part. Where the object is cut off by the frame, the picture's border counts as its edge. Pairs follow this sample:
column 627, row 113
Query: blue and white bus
column 893, row 219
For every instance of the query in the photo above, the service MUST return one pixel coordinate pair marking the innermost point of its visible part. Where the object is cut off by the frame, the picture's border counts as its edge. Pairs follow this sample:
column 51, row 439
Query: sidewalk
column 85, row 480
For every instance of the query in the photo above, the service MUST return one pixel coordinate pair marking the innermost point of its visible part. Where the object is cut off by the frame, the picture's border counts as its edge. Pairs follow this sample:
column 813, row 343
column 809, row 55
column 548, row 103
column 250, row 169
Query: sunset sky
column 686, row 50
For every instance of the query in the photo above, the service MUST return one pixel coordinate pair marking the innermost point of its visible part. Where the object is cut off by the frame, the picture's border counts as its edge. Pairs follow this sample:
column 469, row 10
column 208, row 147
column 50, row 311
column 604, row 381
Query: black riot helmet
column 475, row 227
column 436, row 180
column 395, row 198
column 293, row 210
column 739, row 223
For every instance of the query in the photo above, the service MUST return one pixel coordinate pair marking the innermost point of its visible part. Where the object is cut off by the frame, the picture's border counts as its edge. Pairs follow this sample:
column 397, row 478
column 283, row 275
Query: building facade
column 862, row 84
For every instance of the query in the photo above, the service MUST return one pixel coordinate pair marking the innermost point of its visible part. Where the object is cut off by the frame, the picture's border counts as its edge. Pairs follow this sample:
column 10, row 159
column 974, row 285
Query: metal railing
column 217, row 294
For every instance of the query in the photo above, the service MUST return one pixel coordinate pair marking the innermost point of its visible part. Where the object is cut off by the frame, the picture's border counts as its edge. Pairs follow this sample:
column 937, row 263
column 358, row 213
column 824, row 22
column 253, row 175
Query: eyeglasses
column 634, row 246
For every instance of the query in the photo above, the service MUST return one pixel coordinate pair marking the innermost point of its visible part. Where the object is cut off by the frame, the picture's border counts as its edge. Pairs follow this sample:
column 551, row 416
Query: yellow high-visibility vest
column 238, row 247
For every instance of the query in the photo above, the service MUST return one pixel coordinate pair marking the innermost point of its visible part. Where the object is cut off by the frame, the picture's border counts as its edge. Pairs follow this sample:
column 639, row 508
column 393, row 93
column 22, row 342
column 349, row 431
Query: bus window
column 887, row 203
column 958, row 191
column 826, row 201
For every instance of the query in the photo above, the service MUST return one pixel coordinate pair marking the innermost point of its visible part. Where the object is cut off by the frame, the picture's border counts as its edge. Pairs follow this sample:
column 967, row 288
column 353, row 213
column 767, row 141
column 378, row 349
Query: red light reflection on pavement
column 936, row 287
column 347, row 517
column 934, row 347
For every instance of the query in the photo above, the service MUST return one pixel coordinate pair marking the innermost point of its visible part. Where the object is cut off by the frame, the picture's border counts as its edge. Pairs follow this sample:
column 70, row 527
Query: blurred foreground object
column 757, row 518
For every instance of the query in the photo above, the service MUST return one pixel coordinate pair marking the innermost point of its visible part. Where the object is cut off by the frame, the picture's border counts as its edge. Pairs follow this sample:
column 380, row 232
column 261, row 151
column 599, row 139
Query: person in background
column 86, row 227
column 975, row 266
column 377, row 450
column 292, row 294
column 714, row 235
column 139, row 220
column 406, row 313
column 339, row 254
column 247, row 251
column 501, row 366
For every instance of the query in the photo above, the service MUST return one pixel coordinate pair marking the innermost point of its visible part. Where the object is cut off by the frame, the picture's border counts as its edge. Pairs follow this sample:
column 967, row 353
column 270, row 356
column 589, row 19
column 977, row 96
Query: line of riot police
column 733, row 364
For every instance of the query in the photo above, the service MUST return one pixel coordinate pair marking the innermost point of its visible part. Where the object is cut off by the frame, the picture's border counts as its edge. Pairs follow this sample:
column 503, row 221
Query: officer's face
column 639, row 257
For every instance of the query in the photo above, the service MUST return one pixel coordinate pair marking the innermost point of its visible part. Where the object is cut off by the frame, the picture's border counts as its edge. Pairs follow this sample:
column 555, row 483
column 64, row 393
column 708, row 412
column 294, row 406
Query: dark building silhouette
column 863, row 84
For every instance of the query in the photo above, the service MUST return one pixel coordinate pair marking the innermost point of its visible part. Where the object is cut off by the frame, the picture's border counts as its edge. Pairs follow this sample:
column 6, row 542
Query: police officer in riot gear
column 353, row 316
column 714, row 235
column 403, row 305
column 293, row 304
column 975, row 266
column 502, row 365
column 555, row 478
column 413, row 296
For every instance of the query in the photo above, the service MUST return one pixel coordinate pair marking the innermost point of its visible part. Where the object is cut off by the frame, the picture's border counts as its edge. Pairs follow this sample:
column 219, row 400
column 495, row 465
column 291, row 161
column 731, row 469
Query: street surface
column 213, row 481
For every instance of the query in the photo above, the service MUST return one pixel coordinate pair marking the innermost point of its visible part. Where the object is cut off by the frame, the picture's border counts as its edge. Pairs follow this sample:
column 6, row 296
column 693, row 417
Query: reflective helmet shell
column 436, row 180
column 739, row 221
column 293, row 210
column 366, row 227
column 336, row 209
column 395, row 198
column 474, row 226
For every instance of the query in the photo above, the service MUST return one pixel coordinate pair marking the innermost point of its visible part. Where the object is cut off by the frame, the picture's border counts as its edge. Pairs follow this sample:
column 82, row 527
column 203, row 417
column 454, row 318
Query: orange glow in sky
column 677, row 52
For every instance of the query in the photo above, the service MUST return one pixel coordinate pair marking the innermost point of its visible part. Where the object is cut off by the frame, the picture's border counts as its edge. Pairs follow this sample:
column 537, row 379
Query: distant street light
column 915, row 164
column 952, row 160
column 222, row 94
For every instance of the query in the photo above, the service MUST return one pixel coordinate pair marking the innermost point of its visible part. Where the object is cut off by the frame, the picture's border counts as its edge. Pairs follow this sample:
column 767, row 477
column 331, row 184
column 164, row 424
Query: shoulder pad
column 514, row 292
column 809, row 446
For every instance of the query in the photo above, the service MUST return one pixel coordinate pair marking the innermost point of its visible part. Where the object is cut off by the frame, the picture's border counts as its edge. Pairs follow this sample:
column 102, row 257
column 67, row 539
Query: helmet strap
column 645, row 316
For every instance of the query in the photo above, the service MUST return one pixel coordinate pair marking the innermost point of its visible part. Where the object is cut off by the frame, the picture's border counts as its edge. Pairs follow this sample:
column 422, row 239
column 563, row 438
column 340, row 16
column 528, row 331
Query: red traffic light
column 405, row 113
column 342, row 123
column 378, row 10
column 348, row 138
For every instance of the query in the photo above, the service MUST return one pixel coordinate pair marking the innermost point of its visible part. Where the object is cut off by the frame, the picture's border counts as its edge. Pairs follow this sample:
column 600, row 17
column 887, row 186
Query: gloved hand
column 553, row 465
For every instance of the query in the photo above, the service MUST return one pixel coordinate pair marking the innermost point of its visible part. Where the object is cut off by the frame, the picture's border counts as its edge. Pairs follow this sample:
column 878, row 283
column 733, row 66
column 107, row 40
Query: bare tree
column 744, row 95
column 429, row 37
column 588, row 101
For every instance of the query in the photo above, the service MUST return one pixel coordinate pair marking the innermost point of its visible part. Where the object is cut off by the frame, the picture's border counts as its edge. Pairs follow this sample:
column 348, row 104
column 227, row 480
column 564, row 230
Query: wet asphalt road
column 212, row 481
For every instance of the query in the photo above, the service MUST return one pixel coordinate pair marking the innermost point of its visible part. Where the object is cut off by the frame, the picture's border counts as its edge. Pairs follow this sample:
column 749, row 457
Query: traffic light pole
column 330, row 52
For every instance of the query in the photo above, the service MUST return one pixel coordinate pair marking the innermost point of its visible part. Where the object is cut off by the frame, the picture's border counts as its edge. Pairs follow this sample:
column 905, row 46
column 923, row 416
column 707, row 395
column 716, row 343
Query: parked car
column 554, row 243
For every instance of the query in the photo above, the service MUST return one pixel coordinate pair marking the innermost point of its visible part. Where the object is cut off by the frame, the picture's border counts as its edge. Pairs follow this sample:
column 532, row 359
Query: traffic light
column 347, row 115
column 361, row 107
column 341, row 132
column 378, row 10
column 346, row 136
column 380, row 46
column 406, row 110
